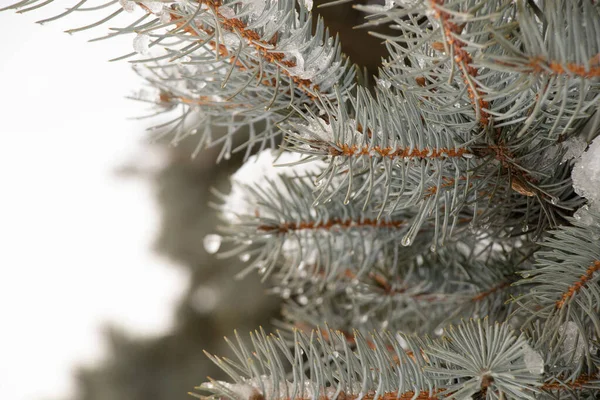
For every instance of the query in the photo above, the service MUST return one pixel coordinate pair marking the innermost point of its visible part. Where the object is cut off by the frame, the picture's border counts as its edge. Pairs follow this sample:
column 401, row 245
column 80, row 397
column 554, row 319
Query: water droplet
column 212, row 243
column 385, row 324
column 301, row 265
column 128, row 5
column 433, row 248
column 319, row 300
column 336, row 354
column 406, row 240
column 286, row 293
column 525, row 228
column 354, row 281
column 194, row 131
column 346, row 202
column 227, row 155
column 363, row 318
column 554, row 200
column 303, row 300
column 244, row 257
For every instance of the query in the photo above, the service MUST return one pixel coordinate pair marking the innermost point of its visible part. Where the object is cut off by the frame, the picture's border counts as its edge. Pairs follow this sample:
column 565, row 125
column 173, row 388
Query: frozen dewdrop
column 303, row 300
column 212, row 243
column 141, row 44
column 575, row 147
column 155, row 7
column 583, row 216
column 308, row 4
column 574, row 342
column 244, row 257
column 227, row 12
column 586, row 174
column 286, row 293
column 384, row 83
column 533, row 360
column 165, row 17
column 256, row 7
column 127, row 5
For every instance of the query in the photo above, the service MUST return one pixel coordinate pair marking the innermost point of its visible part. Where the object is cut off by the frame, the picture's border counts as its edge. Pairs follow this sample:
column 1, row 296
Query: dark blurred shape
column 169, row 366
column 365, row 50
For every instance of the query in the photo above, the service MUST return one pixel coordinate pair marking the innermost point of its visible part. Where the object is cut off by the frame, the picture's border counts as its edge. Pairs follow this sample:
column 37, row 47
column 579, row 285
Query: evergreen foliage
column 427, row 216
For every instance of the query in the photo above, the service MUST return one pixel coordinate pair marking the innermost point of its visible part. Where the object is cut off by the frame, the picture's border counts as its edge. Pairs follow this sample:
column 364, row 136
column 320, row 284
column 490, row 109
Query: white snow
column 320, row 128
column 265, row 385
column 141, row 44
column 384, row 83
column 155, row 7
column 256, row 172
column 256, row 7
column 575, row 147
column 586, row 175
column 389, row 4
column 308, row 4
column 310, row 65
column 227, row 12
column 574, row 342
column 128, row 5
column 533, row 360
column 584, row 216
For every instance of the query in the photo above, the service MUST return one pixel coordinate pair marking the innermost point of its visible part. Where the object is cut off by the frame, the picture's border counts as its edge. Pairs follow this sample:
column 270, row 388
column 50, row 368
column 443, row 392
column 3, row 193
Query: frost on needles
column 434, row 230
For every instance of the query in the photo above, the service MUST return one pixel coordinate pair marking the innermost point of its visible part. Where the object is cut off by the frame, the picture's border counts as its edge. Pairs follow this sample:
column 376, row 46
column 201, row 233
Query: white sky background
column 74, row 238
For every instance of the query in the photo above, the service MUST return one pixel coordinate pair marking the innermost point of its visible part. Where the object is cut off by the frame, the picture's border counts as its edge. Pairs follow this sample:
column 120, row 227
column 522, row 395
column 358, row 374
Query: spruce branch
column 565, row 280
column 481, row 356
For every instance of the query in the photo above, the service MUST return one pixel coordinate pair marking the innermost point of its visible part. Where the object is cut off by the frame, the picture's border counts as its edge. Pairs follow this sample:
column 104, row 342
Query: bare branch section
column 541, row 65
column 464, row 60
column 332, row 223
column 343, row 149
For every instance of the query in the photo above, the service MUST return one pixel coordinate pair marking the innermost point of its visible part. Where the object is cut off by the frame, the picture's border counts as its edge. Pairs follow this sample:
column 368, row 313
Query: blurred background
column 106, row 292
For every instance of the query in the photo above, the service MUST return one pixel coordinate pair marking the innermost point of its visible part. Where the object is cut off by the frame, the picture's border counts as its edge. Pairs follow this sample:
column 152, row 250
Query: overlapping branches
column 230, row 66
column 398, row 161
column 466, row 360
column 565, row 281
column 417, row 291
column 495, row 64
column 302, row 243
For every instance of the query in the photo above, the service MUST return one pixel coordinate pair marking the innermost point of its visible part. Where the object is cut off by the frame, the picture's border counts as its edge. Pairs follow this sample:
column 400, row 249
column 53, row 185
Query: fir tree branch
column 370, row 370
column 564, row 283
column 456, row 47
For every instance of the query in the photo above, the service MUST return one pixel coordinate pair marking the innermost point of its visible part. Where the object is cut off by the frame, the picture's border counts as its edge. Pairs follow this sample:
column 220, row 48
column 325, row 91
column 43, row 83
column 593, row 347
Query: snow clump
column 586, row 175
column 256, row 172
